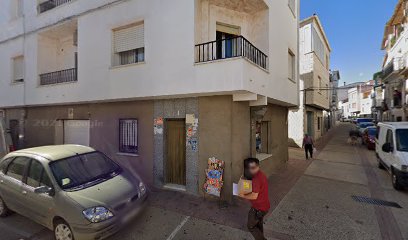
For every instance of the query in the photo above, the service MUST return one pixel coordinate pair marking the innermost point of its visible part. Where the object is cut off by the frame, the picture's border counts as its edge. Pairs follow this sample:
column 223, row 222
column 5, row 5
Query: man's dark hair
column 248, row 161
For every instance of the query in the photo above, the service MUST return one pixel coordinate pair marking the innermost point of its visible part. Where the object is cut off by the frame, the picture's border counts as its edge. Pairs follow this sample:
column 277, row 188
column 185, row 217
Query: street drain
column 375, row 201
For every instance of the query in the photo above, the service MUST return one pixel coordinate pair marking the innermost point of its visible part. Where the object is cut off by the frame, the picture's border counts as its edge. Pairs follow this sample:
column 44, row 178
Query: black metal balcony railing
column 388, row 69
column 63, row 76
column 50, row 4
column 230, row 48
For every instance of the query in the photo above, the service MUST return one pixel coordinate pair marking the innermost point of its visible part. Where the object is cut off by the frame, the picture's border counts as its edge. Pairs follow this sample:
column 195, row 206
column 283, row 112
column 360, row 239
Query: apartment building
column 395, row 65
column 359, row 101
column 315, row 93
column 159, row 86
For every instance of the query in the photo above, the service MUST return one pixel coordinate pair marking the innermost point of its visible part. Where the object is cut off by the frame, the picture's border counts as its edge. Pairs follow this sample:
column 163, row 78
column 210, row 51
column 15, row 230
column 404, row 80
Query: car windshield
column 82, row 171
column 402, row 140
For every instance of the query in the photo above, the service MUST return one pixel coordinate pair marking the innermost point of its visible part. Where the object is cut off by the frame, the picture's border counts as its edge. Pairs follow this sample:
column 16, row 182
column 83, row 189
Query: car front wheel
column 4, row 211
column 62, row 231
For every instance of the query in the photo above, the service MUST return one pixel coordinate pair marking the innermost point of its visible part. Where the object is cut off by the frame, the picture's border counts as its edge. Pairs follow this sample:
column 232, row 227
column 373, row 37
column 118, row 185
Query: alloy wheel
column 63, row 232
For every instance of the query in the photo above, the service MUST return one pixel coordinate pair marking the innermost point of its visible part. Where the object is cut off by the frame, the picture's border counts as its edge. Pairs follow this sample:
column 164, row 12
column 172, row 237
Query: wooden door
column 176, row 152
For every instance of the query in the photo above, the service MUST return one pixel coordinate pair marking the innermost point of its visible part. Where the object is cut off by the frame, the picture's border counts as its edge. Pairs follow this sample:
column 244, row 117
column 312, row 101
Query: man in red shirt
column 259, row 199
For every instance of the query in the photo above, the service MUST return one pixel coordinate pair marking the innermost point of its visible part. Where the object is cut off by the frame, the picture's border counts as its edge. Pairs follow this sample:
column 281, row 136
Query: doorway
column 310, row 123
column 175, row 133
column 77, row 132
column 227, row 42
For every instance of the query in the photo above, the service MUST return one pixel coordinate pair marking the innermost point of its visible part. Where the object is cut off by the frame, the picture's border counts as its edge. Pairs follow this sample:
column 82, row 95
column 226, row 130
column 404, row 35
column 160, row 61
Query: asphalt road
column 152, row 224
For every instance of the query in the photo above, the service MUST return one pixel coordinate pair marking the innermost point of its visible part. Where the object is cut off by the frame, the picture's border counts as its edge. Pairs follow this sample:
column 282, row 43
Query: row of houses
column 391, row 88
column 318, row 85
column 159, row 86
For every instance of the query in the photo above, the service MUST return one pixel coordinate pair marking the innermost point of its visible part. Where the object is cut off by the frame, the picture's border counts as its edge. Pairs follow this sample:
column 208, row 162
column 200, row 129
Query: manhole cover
column 375, row 201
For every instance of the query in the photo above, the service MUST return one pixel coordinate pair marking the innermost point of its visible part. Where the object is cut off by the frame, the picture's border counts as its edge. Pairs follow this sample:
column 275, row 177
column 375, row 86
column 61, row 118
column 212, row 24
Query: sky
column 355, row 29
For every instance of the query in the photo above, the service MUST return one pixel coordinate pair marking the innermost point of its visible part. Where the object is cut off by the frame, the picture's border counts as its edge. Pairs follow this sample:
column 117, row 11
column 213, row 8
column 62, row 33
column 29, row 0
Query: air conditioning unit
column 75, row 37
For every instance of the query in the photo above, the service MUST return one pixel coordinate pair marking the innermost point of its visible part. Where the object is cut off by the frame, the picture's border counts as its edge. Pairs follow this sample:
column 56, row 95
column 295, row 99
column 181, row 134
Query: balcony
column 58, row 54
column 392, row 67
column 63, row 76
column 230, row 48
column 50, row 4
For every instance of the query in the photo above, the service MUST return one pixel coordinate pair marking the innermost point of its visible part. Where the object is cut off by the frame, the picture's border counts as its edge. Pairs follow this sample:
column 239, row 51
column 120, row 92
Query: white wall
column 169, row 68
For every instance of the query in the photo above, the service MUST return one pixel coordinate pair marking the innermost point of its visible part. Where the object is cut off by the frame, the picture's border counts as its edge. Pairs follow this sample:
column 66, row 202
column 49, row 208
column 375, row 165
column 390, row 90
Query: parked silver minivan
column 77, row 192
column 392, row 151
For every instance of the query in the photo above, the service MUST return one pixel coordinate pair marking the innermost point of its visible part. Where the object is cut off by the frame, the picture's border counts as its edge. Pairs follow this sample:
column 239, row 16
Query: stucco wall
column 225, row 134
column 278, row 117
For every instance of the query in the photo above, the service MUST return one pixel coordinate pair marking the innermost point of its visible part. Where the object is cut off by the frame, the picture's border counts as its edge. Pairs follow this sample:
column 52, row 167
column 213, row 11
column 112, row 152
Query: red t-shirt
column 260, row 186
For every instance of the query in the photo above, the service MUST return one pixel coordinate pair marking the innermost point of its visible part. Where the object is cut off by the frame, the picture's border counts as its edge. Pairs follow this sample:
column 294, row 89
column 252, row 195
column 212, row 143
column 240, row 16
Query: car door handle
column 24, row 192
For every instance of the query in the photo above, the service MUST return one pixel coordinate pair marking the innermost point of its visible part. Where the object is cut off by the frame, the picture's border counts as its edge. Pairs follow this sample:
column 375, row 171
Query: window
column 4, row 164
column 18, row 69
column 318, row 46
column 128, row 45
column 327, row 91
column 291, row 66
column 320, row 84
column 292, row 6
column 37, row 176
column 402, row 140
column 390, row 138
column 128, row 136
column 16, row 9
column 319, row 122
column 17, row 167
column 327, row 62
column 262, row 137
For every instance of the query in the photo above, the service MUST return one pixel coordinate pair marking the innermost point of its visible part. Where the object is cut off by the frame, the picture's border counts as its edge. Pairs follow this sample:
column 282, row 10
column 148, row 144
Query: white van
column 392, row 151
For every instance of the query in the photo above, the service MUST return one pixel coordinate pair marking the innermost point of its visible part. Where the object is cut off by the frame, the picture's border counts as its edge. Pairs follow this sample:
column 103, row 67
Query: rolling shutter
column 128, row 38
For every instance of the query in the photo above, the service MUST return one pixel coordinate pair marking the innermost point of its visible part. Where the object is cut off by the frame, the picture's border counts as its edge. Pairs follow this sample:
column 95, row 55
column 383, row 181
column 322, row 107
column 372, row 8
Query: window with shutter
column 128, row 44
column 292, row 6
column 18, row 69
column 291, row 66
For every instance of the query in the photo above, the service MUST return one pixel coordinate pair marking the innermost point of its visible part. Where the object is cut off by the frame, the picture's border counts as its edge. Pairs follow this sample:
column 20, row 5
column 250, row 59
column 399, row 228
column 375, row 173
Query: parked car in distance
column 392, row 151
column 368, row 137
column 363, row 120
column 363, row 125
column 77, row 192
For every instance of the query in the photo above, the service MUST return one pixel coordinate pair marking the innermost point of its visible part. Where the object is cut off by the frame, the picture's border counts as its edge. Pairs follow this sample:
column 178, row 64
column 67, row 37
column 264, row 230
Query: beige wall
column 41, row 125
column 277, row 116
column 225, row 134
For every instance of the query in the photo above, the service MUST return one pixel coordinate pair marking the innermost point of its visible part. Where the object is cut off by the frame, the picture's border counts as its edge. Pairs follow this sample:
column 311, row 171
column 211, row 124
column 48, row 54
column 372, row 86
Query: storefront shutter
column 128, row 38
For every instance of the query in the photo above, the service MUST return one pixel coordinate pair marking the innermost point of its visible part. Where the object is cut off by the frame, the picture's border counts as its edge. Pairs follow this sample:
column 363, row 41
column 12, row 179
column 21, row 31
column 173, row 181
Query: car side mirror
column 387, row 147
column 44, row 190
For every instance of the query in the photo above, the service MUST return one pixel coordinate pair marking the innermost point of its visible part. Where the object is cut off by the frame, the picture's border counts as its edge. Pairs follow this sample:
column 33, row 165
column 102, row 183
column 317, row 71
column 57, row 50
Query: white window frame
column 128, row 44
column 291, row 66
column 17, row 77
column 292, row 4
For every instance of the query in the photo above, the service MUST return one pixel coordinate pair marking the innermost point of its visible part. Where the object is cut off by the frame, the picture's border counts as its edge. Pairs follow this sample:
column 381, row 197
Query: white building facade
column 137, row 78
column 315, row 89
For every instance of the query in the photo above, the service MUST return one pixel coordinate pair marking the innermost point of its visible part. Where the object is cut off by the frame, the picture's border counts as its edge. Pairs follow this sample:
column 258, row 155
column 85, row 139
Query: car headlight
column 142, row 188
column 97, row 214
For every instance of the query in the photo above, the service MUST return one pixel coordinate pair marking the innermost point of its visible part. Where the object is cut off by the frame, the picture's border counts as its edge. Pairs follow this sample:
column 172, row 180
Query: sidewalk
column 235, row 215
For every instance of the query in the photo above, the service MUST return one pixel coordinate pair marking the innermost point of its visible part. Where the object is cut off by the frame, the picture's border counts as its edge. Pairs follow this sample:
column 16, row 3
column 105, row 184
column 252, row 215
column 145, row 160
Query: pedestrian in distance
column 308, row 145
column 259, row 198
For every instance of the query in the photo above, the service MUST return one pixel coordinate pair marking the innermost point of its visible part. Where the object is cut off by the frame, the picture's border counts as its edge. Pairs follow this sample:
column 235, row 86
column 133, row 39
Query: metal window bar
column 63, row 76
column 50, row 4
column 128, row 136
column 237, row 46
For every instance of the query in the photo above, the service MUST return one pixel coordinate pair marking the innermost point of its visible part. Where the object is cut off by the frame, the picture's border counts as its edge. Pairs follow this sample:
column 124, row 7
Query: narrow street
column 318, row 206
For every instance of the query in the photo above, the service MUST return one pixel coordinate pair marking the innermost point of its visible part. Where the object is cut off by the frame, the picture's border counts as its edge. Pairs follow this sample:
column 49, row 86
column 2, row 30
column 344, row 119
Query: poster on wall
column 158, row 126
column 214, row 177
